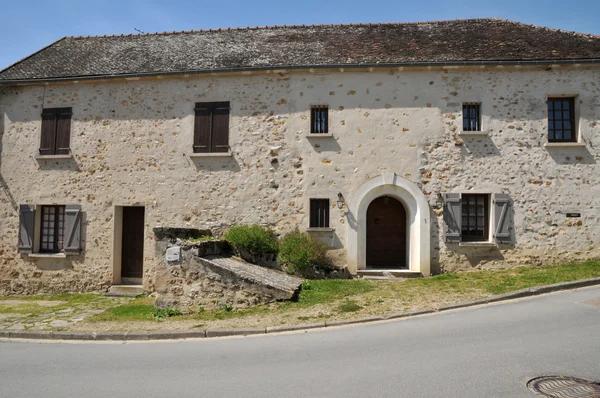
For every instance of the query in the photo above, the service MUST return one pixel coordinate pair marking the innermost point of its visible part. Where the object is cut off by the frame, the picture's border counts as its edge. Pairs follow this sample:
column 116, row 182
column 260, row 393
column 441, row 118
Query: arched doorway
column 386, row 234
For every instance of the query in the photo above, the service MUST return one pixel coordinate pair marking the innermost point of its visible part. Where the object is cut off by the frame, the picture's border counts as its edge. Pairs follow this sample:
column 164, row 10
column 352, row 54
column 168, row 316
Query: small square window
column 319, row 213
column 475, row 218
column 319, row 119
column 561, row 120
column 471, row 116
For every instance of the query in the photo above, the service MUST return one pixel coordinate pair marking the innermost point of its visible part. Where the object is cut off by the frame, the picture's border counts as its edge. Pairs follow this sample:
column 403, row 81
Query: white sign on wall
column 173, row 253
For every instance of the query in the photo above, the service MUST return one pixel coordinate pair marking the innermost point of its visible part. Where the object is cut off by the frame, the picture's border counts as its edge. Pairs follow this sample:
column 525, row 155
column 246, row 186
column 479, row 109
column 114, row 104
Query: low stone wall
column 207, row 276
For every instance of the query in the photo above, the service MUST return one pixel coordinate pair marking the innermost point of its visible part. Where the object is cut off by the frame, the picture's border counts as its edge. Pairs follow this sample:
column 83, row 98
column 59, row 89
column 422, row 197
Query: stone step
column 383, row 274
column 125, row 290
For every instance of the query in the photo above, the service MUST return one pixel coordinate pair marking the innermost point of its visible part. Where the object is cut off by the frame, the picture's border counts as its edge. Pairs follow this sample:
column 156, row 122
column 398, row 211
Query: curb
column 189, row 334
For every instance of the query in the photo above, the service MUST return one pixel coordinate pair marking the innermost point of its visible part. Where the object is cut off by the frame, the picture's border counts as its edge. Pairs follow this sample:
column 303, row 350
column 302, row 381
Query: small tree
column 299, row 251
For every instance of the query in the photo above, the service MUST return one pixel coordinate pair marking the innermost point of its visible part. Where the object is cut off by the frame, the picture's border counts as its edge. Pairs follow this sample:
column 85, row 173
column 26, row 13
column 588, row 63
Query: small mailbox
column 173, row 253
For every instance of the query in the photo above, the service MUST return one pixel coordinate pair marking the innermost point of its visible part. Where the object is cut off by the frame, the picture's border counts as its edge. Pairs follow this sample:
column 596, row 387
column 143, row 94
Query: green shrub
column 254, row 239
column 300, row 251
column 160, row 314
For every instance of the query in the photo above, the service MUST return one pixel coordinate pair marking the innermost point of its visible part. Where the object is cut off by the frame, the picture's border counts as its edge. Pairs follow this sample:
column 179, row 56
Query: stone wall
column 207, row 277
column 131, row 141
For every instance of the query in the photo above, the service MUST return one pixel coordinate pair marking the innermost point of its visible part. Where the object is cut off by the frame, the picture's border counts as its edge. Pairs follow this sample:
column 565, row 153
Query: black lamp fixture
column 340, row 201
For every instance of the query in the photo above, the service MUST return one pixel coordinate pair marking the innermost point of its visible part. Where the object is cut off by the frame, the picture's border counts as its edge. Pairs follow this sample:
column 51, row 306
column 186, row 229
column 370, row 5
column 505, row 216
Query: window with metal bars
column 53, row 229
column 319, row 213
column 561, row 120
column 471, row 116
column 319, row 119
column 475, row 217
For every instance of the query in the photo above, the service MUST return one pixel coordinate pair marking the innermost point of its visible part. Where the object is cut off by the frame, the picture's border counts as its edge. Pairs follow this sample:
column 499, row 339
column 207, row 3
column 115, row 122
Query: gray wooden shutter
column 72, row 244
column 452, row 217
column 220, row 130
column 502, row 218
column 63, row 130
column 48, row 133
column 202, row 128
column 26, row 228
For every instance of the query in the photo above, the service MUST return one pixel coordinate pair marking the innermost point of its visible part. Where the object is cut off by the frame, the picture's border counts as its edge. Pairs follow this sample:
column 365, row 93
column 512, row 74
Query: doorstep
column 125, row 290
column 375, row 274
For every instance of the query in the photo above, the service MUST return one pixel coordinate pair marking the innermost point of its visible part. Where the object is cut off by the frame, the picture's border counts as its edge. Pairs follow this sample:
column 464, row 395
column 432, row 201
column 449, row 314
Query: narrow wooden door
column 132, row 249
column 386, row 234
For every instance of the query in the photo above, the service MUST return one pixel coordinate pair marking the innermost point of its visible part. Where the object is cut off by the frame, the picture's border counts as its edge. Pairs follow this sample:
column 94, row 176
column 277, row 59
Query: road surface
column 488, row 351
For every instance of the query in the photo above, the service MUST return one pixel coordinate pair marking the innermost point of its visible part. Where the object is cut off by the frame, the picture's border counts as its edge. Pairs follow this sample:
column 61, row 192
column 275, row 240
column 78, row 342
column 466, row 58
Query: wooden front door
column 132, row 249
column 386, row 234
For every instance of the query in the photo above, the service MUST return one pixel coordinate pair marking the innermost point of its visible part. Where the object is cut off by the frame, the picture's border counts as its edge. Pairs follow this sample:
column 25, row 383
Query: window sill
column 477, row 244
column 473, row 133
column 47, row 255
column 53, row 157
column 564, row 145
column 325, row 135
column 211, row 155
column 318, row 229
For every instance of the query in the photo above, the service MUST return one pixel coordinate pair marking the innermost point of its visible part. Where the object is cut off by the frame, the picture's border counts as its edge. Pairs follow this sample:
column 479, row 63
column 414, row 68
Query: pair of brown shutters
column 72, row 234
column 502, row 226
column 56, row 131
column 211, row 127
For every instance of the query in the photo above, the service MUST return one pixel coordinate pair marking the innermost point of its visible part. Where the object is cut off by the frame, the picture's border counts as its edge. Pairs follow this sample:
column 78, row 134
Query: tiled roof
column 446, row 42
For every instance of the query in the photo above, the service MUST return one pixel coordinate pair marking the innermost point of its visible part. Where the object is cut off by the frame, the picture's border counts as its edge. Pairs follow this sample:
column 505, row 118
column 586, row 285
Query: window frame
column 468, row 120
column 213, row 107
column 486, row 217
column 572, row 120
column 319, row 215
column 59, row 232
column 319, row 125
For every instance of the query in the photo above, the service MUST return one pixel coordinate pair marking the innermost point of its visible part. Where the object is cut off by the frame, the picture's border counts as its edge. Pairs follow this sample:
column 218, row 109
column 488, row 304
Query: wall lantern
column 439, row 202
column 340, row 201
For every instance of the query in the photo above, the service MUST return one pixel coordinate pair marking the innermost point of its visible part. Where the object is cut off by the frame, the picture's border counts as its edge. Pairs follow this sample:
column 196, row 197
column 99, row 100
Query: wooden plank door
column 386, row 234
column 132, row 249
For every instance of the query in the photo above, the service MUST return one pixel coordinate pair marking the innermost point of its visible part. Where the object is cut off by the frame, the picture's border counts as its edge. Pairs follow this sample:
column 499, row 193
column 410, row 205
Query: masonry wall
column 131, row 142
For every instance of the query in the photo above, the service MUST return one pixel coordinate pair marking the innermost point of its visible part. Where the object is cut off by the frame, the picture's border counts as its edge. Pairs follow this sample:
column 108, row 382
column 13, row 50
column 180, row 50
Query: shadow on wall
column 214, row 164
column 436, row 268
column 3, row 183
column 325, row 144
column 62, row 164
column 576, row 155
column 479, row 147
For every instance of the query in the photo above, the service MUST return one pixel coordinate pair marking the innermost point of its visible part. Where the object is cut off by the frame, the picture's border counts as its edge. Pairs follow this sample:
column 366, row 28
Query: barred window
column 471, row 117
column 319, row 213
column 319, row 119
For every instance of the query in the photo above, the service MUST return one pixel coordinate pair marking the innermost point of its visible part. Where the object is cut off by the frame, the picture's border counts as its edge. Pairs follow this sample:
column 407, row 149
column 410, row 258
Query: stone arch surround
column 417, row 215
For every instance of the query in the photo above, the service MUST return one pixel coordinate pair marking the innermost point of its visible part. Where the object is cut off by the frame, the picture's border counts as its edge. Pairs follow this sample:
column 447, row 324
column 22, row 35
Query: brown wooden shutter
column 73, row 221
column 63, row 131
column 452, row 217
column 202, row 128
column 502, row 218
column 220, row 130
column 47, row 143
column 26, row 228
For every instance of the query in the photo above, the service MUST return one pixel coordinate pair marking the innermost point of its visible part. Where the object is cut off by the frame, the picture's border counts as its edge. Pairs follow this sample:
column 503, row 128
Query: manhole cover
column 564, row 387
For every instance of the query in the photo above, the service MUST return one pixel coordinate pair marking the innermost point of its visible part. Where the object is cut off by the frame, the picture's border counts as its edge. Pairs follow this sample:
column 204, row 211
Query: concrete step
column 125, row 290
column 386, row 274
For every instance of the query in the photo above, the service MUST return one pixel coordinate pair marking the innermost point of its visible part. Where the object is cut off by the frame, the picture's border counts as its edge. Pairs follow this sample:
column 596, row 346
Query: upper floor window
column 319, row 213
column 561, row 120
column 56, row 131
column 319, row 119
column 471, row 116
column 211, row 127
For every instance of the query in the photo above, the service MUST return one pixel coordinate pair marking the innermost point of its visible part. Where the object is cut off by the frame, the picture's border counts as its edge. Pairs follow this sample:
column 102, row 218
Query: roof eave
column 316, row 66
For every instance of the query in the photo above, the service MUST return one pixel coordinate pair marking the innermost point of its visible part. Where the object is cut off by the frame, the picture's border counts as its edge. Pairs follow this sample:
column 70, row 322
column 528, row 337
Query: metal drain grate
column 564, row 387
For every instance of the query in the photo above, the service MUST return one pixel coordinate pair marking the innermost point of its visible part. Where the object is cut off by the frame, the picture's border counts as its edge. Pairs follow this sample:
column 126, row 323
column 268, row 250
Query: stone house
column 417, row 148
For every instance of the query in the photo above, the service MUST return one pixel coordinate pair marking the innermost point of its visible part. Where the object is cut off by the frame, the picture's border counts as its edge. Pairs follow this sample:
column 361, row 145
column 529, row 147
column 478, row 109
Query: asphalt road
column 489, row 351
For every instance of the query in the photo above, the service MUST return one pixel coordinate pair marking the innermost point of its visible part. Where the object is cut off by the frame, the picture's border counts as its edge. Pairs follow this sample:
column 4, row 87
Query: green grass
column 372, row 296
column 33, row 309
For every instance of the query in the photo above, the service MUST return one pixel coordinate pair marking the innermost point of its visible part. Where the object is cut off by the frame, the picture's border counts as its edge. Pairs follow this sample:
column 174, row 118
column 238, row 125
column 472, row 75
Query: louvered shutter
column 73, row 221
column 220, row 129
column 47, row 142
column 502, row 218
column 202, row 128
column 26, row 228
column 452, row 217
column 63, row 130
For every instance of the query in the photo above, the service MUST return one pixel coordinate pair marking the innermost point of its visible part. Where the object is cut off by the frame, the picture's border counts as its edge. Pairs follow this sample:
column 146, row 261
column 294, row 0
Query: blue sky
column 27, row 26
